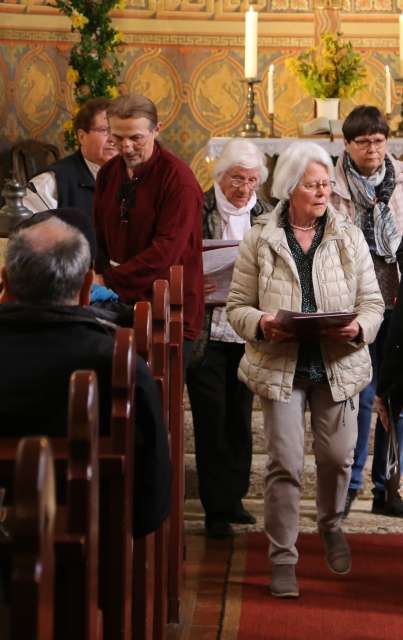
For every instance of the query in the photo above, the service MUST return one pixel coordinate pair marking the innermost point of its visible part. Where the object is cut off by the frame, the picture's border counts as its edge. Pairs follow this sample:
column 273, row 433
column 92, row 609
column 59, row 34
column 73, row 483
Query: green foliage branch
column 94, row 64
column 331, row 70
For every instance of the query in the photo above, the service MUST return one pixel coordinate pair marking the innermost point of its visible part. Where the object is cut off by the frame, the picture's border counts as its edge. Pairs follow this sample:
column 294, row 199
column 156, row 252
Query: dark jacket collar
column 24, row 314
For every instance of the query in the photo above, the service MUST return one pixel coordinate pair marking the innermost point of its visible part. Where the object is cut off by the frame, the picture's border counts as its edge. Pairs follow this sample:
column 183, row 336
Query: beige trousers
column 334, row 428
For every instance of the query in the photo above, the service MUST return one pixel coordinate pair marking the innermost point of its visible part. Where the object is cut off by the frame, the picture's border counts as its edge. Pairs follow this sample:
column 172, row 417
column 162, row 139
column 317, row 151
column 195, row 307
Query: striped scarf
column 371, row 200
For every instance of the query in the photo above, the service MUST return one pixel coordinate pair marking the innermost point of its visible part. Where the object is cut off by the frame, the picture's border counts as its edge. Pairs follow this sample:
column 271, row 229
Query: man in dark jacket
column 147, row 212
column 45, row 335
column 70, row 182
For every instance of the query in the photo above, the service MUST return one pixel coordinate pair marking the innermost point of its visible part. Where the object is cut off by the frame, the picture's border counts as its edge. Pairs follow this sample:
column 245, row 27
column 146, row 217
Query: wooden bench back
column 176, row 419
column 117, row 463
column 160, row 342
column 33, row 560
column 81, row 530
column 143, row 330
column 30, row 157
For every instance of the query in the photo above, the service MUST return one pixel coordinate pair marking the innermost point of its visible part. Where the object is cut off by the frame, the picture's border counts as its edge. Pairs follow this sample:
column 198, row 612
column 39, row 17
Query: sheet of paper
column 218, row 265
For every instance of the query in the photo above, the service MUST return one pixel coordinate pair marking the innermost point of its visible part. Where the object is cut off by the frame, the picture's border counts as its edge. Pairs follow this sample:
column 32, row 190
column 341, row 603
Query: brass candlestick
column 250, row 129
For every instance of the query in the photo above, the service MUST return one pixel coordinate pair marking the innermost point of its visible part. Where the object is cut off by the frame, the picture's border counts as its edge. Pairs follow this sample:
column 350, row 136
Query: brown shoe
column 337, row 551
column 283, row 581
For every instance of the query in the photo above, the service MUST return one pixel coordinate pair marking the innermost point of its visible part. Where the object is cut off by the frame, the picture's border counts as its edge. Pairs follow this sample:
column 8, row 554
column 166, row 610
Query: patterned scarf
column 371, row 200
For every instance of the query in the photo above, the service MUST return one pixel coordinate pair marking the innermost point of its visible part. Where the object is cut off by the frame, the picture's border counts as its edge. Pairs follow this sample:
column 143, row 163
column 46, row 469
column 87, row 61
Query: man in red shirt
column 147, row 213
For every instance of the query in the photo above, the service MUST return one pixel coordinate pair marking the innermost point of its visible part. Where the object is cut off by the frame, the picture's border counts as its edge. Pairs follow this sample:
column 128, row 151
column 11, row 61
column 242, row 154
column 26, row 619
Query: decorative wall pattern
column 156, row 8
column 195, row 78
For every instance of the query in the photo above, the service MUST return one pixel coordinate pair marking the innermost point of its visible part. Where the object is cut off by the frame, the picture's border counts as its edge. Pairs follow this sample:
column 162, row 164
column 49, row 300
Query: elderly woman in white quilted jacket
column 304, row 256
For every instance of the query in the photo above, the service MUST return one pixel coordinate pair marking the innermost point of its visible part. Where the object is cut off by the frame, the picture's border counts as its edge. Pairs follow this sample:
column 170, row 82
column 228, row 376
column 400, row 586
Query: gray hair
column 243, row 153
column 46, row 263
column 292, row 164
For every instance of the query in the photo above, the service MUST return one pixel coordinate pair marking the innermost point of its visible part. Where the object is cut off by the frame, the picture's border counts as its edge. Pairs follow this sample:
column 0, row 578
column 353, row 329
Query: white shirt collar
column 93, row 167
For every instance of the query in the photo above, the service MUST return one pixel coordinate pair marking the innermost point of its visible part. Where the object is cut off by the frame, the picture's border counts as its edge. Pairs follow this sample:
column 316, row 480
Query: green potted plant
column 330, row 71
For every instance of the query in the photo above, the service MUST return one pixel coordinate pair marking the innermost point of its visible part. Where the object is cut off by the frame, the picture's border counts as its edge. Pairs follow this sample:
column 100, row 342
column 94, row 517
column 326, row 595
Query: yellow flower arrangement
column 118, row 38
column 331, row 70
column 72, row 75
column 112, row 92
column 78, row 20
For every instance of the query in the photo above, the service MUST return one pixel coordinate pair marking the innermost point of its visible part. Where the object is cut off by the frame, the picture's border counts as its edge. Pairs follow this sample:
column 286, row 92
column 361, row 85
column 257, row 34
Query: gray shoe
column 337, row 551
column 283, row 581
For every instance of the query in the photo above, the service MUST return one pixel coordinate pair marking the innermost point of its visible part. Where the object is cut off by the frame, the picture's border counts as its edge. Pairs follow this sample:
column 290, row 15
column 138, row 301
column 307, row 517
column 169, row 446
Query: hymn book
column 322, row 125
column 218, row 264
column 309, row 325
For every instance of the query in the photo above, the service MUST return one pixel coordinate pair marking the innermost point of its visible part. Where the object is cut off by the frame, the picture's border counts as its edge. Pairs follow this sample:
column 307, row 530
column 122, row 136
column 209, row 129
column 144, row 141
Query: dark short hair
column 84, row 119
column 133, row 106
column 364, row 120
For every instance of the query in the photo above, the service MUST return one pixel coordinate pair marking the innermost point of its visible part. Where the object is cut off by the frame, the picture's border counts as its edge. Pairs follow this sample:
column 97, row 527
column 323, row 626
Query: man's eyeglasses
column 251, row 183
column 366, row 143
column 104, row 130
column 319, row 184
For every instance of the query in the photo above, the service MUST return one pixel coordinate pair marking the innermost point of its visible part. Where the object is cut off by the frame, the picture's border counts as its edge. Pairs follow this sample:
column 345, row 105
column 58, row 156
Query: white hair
column 243, row 153
column 292, row 164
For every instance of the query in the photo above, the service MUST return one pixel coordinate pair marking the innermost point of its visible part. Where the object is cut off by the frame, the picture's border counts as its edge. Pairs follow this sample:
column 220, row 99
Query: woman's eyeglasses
column 366, row 143
column 239, row 182
column 319, row 184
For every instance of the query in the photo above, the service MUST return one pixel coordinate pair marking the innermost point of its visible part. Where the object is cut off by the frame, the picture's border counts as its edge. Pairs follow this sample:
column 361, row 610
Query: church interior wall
column 187, row 56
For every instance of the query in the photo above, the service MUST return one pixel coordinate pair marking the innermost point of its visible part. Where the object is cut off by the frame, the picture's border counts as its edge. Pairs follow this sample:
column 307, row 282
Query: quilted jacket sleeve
column 243, row 300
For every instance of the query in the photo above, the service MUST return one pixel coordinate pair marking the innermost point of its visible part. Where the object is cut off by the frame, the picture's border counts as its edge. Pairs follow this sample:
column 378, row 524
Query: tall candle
column 388, row 91
column 401, row 44
column 251, row 43
column 270, row 89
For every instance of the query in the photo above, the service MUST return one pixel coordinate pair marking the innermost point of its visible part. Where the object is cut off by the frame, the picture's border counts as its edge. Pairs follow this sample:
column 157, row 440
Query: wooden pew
column 116, row 453
column 75, row 604
column 176, row 428
column 77, row 526
column 144, row 551
column 152, row 600
column 32, row 576
column 160, row 366
column 116, row 467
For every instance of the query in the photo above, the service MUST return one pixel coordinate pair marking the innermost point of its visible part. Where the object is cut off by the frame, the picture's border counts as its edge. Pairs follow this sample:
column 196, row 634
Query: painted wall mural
column 195, row 77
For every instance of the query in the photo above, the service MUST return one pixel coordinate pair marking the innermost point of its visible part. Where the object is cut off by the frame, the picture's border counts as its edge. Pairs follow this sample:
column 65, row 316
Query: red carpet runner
column 367, row 604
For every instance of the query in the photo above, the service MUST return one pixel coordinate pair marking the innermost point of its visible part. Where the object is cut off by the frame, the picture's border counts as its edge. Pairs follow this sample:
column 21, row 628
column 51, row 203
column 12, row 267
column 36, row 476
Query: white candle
column 401, row 44
column 251, row 43
column 270, row 89
column 388, row 91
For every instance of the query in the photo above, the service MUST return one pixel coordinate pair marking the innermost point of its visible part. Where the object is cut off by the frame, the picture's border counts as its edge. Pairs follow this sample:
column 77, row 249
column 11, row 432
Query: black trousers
column 222, row 408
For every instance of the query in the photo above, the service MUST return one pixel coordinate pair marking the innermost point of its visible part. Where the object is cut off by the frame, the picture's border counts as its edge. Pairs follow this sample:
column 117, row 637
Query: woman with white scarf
column 369, row 189
column 221, row 404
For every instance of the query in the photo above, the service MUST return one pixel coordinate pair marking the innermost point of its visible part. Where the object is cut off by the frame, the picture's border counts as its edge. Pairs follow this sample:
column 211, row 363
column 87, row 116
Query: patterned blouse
column 310, row 362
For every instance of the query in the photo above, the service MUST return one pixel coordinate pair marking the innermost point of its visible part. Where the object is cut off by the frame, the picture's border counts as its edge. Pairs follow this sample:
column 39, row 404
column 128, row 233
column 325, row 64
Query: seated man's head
column 239, row 171
column 365, row 133
column 47, row 262
column 92, row 129
column 134, row 126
